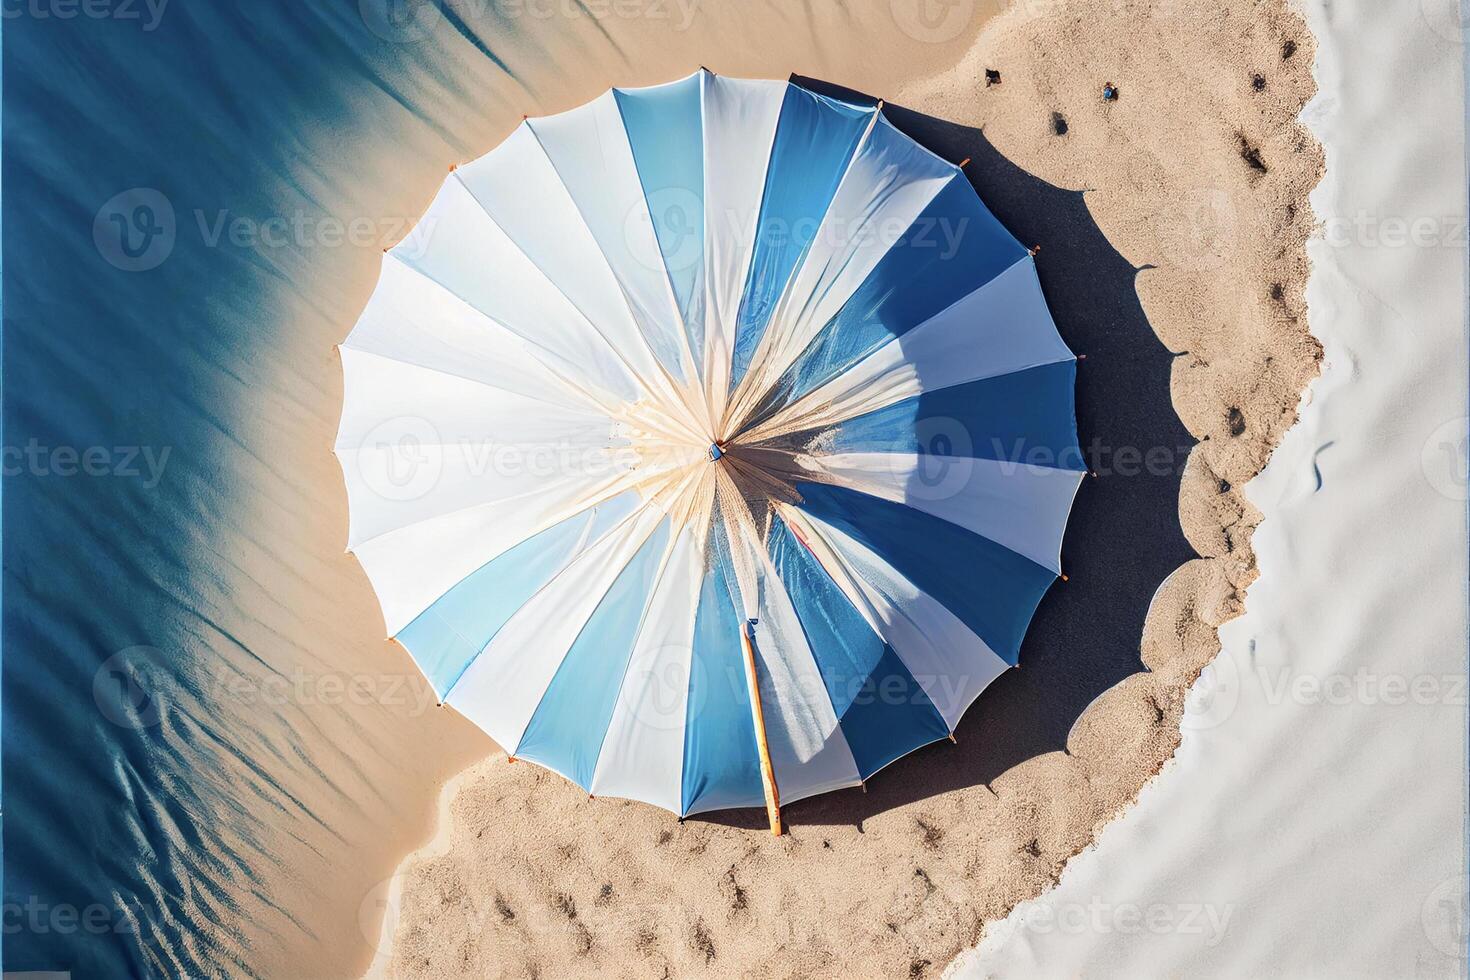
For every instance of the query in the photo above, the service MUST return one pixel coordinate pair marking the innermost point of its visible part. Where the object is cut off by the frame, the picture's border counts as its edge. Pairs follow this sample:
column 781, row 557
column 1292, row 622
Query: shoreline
column 384, row 903
column 1296, row 704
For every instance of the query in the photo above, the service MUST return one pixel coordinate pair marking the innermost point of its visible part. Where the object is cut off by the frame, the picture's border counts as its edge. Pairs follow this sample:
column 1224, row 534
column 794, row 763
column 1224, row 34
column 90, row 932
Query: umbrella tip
column 963, row 163
column 953, row 739
column 1033, row 250
column 510, row 759
column 1081, row 357
column 1065, row 579
column 453, row 167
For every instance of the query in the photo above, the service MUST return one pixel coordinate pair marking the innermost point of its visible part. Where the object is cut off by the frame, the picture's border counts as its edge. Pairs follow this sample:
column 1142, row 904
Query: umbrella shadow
column 1123, row 538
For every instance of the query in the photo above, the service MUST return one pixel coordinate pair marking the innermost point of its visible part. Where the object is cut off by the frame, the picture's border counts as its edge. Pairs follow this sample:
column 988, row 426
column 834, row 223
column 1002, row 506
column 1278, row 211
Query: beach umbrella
column 710, row 444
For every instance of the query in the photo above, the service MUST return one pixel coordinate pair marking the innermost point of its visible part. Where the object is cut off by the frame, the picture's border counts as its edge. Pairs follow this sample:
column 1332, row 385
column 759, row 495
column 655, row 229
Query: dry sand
column 1198, row 177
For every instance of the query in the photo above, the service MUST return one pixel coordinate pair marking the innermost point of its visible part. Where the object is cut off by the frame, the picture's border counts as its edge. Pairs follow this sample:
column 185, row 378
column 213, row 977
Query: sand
column 1173, row 225
column 1316, row 805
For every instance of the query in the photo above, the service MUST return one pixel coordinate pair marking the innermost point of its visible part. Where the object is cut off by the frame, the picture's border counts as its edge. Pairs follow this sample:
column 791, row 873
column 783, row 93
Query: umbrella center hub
column 715, row 452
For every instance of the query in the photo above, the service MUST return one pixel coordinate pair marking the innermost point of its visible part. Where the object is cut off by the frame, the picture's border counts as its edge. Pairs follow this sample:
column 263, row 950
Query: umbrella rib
column 590, row 408
column 736, row 407
column 612, row 348
column 685, row 348
column 616, row 528
column 598, row 495
column 761, row 413
column 789, row 418
column 781, row 356
column 827, row 478
column 849, row 583
column 591, row 393
column 671, row 389
column 665, row 560
column 718, row 393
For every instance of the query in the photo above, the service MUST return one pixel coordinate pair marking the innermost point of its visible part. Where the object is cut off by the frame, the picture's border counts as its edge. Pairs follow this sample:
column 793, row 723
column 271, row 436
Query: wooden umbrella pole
column 768, row 774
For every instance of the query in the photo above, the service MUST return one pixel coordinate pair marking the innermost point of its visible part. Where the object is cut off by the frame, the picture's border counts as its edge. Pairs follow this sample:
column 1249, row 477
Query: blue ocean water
column 194, row 198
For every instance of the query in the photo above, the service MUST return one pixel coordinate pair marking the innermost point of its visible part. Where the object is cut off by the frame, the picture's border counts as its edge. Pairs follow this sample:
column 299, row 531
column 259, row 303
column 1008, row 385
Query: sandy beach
column 1172, row 225
column 1235, row 742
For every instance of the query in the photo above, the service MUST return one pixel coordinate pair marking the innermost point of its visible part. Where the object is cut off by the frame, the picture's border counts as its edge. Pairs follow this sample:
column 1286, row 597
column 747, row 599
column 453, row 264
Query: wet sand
column 1172, row 224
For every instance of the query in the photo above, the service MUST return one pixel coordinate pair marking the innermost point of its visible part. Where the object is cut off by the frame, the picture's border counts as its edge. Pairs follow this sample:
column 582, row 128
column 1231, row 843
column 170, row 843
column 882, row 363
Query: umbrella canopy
column 710, row 444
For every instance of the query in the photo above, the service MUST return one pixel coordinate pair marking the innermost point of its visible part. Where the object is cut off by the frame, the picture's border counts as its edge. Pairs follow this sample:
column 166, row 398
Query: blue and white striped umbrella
column 710, row 444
